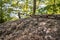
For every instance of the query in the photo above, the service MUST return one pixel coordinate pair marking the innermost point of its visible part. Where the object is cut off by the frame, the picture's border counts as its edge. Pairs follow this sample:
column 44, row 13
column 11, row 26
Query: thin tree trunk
column 19, row 15
column 34, row 7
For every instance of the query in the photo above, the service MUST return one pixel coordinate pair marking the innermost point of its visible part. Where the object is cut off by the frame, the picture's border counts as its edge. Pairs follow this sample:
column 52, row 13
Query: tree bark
column 34, row 7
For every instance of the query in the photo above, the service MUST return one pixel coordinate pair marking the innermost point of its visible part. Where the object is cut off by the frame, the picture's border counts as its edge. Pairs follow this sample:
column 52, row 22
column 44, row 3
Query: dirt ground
column 33, row 28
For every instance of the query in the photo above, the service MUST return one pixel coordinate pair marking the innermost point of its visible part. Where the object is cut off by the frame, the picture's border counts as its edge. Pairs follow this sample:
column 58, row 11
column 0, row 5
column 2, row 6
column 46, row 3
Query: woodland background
column 9, row 8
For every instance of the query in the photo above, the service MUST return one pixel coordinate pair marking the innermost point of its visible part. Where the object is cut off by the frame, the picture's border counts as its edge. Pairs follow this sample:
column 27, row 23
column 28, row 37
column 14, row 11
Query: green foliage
column 3, row 14
column 26, row 8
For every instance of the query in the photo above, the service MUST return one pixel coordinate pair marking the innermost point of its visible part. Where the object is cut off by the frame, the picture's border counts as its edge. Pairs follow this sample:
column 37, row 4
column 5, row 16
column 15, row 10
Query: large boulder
column 33, row 28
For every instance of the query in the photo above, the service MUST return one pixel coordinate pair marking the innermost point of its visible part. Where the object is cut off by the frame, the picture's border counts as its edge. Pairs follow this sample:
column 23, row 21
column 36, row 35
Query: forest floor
column 40, row 27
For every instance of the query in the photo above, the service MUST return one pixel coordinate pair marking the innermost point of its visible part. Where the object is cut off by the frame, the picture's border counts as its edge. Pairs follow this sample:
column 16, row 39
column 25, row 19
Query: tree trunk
column 34, row 7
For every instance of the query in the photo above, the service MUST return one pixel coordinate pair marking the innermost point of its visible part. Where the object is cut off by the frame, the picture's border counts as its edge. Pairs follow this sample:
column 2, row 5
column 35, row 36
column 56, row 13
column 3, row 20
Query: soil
column 33, row 28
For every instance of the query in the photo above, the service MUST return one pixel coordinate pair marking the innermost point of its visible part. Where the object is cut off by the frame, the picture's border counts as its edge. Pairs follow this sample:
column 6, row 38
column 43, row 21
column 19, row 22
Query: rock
column 33, row 28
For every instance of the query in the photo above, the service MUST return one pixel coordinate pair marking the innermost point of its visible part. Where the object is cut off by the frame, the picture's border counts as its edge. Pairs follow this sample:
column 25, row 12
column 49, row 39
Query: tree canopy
column 9, row 8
